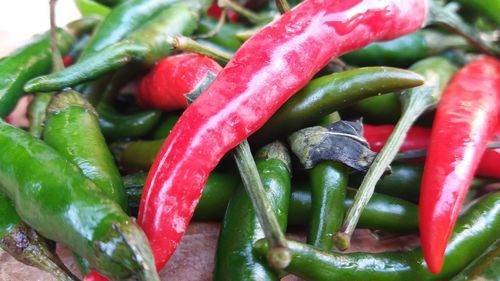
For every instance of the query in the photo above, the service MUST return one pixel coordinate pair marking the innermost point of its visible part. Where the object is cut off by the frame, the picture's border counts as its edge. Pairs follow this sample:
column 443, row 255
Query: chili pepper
column 146, row 45
column 383, row 109
column 465, row 118
column 328, row 187
column 161, row 88
column 26, row 63
column 248, row 91
column 90, row 7
column 226, row 37
column 67, row 207
column 163, row 130
column 437, row 71
column 76, row 49
column 330, row 93
column 71, row 127
column 37, row 113
column 489, row 8
column 111, row 3
column 405, row 50
column 216, row 12
column 240, row 228
column 475, row 232
column 25, row 245
column 484, row 268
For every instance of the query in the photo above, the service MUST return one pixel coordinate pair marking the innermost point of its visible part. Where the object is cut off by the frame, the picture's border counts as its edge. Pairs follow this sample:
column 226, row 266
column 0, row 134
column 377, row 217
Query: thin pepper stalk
column 186, row 44
column 437, row 71
column 278, row 257
column 283, row 6
column 249, row 14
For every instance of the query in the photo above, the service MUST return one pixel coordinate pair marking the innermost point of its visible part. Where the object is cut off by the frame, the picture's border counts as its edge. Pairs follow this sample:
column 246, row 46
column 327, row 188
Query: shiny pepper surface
column 267, row 70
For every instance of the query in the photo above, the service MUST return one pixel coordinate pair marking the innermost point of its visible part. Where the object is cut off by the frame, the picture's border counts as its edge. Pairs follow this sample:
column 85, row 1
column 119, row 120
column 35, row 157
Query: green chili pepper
column 72, row 128
column 37, row 112
column 26, row 63
column 403, row 182
column 225, row 37
column 56, row 199
column 328, row 189
column 474, row 232
column 383, row 212
column 146, row 45
column 163, row 130
column 111, row 3
column 25, row 245
column 240, row 228
column 327, row 94
column 405, row 50
column 89, row 7
column 382, row 109
column 484, row 268
column 490, row 8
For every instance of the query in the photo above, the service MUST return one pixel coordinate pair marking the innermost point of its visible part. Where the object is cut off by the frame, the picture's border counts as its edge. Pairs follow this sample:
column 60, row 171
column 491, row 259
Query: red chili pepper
column 215, row 11
column 419, row 138
column 465, row 119
column 67, row 61
column 267, row 70
column 94, row 276
column 170, row 83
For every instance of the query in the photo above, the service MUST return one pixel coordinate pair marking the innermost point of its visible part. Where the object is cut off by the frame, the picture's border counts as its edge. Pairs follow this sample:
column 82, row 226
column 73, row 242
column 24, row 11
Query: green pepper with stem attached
column 474, row 232
column 240, row 228
column 55, row 198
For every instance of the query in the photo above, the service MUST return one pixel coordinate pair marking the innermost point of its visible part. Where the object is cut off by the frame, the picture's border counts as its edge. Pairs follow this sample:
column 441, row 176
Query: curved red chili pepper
column 168, row 85
column 419, row 138
column 465, row 119
column 268, row 69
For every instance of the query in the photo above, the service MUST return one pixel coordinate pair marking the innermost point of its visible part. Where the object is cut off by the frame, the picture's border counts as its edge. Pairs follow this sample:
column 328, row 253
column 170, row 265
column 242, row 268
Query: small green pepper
column 37, row 113
column 240, row 228
column 26, row 63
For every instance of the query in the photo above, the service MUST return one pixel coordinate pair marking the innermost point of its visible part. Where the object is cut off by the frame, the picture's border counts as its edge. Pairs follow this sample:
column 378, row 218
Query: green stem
column 187, row 44
column 253, row 185
column 450, row 20
column 250, row 15
column 57, row 61
column 217, row 28
column 414, row 109
column 283, row 6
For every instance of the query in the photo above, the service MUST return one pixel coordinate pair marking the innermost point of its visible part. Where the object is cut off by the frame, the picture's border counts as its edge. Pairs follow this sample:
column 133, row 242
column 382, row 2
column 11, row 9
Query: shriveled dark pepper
column 235, row 259
column 475, row 231
column 146, row 45
column 27, row 246
column 56, row 199
column 26, row 63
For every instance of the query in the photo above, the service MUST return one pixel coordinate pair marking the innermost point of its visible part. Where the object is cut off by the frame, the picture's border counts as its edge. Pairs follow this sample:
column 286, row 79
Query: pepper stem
column 187, row 44
column 267, row 219
column 57, row 61
column 411, row 112
column 450, row 20
column 217, row 28
column 283, row 6
column 249, row 14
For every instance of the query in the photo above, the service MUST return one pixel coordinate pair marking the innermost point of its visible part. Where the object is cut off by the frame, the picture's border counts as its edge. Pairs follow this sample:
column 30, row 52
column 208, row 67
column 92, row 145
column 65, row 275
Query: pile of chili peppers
column 361, row 114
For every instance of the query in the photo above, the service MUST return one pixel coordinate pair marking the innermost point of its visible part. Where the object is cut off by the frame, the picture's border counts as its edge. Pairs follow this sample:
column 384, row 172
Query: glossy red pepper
column 267, row 70
column 465, row 119
column 419, row 138
column 176, row 81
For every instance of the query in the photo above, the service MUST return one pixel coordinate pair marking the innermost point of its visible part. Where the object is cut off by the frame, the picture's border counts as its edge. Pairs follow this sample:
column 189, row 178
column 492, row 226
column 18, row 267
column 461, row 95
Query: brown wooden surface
column 194, row 258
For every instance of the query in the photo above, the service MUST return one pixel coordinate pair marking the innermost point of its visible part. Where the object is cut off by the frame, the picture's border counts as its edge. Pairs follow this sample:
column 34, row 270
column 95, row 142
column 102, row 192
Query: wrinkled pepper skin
column 67, row 207
column 330, row 93
column 475, row 231
column 464, row 121
column 26, row 63
column 328, row 182
column 235, row 259
column 71, row 128
column 246, row 94
column 25, row 245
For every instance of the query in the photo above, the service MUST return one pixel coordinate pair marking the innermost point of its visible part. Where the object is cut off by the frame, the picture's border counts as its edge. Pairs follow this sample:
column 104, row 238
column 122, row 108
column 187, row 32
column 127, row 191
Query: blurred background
column 21, row 19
